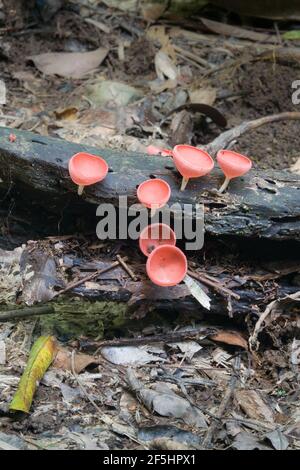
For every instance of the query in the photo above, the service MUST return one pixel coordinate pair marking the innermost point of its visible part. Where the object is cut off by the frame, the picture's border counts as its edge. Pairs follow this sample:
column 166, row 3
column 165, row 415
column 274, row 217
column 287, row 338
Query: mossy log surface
column 262, row 204
column 87, row 312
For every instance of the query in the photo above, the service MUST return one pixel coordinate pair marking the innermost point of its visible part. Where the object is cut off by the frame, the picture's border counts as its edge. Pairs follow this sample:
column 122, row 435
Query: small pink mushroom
column 166, row 266
column 191, row 162
column 154, row 194
column 155, row 235
column 86, row 169
column 233, row 165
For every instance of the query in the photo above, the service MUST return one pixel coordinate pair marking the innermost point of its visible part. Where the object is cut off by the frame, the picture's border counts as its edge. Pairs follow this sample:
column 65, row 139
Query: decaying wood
column 262, row 204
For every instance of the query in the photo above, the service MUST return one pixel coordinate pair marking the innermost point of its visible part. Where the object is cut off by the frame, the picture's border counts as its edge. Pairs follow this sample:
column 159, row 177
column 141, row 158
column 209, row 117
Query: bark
column 33, row 169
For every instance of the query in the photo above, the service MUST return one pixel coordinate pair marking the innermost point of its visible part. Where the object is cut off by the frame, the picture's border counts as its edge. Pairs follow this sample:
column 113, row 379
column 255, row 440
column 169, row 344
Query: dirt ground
column 158, row 393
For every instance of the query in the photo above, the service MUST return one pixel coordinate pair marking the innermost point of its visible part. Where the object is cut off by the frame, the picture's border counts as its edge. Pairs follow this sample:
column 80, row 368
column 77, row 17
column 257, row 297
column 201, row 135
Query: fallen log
column 32, row 277
column 262, row 204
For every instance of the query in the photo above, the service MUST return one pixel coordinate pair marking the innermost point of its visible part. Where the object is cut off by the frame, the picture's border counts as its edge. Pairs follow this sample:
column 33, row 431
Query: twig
column 97, row 273
column 26, row 312
column 48, row 309
column 171, row 338
column 213, row 283
column 207, row 441
column 126, row 267
column 253, row 342
column 193, row 57
column 223, row 140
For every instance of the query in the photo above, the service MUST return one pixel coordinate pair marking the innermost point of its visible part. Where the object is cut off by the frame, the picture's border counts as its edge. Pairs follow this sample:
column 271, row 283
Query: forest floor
column 145, row 390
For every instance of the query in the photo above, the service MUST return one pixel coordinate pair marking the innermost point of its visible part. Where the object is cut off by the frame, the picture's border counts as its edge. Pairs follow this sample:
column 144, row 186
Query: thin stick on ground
column 215, row 284
column 97, row 273
column 26, row 312
column 223, row 140
column 208, row 439
column 172, row 338
column 126, row 267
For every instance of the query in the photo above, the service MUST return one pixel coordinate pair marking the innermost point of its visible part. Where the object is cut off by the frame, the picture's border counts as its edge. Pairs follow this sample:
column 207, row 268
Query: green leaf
column 41, row 355
column 292, row 35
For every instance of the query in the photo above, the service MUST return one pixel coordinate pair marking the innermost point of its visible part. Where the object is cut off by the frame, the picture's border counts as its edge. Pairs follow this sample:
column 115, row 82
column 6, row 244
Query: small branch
column 26, row 312
column 223, row 140
column 215, row 284
column 126, row 267
column 165, row 338
column 97, row 273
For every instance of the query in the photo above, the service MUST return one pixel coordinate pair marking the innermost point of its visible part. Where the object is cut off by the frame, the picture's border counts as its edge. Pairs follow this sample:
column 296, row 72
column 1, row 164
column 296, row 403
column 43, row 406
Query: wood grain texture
column 262, row 204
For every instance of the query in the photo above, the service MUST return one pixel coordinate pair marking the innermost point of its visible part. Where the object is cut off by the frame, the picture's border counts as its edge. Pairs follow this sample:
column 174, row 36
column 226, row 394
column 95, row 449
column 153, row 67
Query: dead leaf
column 129, row 355
column 188, row 348
column 158, row 86
column 114, row 94
column 166, row 403
column 181, row 128
column 151, row 11
column 157, row 33
column 230, row 337
column 63, row 360
column 197, row 292
column 277, row 439
column 2, row 92
column 2, row 353
column 296, row 167
column 39, row 276
column 69, row 64
column 247, row 441
column 295, row 353
column 273, row 310
column 254, row 406
column 40, row 358
column 67, row 114
column 164, row 66
column 203, row 95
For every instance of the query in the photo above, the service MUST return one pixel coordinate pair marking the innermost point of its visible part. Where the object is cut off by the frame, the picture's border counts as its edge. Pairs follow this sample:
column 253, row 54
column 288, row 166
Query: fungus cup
column 86, row 169
column 166, row 266
column 233, row 165
column 155, row 235
column 191, row 162
column 154, row 194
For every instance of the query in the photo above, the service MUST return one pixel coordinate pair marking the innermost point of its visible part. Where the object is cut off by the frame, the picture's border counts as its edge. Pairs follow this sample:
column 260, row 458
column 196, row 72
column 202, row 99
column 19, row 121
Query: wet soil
column 267, row 89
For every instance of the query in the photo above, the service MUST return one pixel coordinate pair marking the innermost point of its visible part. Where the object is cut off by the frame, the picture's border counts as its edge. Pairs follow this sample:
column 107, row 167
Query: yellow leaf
column 41, row 355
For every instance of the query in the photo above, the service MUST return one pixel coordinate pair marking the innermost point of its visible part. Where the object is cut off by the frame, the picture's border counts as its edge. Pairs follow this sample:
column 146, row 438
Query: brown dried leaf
column 69, row 64
column 63, row 360
column 203, row 95
column 253, row 405
column 66, row 114
column 164, row 66
column 230, row 337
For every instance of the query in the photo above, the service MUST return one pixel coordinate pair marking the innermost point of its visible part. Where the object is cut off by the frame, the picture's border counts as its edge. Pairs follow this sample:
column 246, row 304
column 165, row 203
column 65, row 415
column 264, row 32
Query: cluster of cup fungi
column 166, row 264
